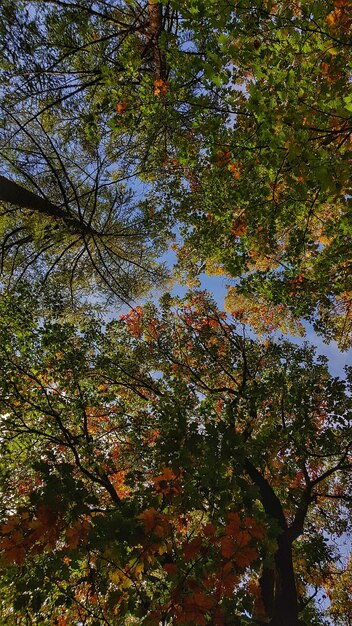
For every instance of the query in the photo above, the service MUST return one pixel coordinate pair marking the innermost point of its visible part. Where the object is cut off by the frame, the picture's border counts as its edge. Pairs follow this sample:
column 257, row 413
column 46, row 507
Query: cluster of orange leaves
column 118, row 482
column 21, row 535
column 167, row 483
column 196, row 318
column 235, row 169
column 155, row 522
column 239, row 227
column 263, row 316
column 172, row 165
column 121, row 107
column 282, row 471
column 239, row 535
column 296, row 284
column 200, row 323
column 152, row 436
column 25, row 487
column 160, row 87
column 96, row 416
column 297, row 481
column 153, row 329
column 193, row 607
column 235, row 548
column 276, row 192
column 133, row 321
column 237, row 544
column 330, row 74
column 223, row 159
column 341, row 16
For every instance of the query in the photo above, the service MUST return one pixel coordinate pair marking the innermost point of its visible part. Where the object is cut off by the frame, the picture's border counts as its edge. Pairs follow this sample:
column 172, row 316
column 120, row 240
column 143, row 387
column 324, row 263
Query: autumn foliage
column 166, row 460
column 172, row 468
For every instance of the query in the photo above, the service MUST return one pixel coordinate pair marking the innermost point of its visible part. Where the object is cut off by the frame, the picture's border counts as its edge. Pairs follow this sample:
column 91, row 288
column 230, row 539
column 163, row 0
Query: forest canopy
column 168, row 462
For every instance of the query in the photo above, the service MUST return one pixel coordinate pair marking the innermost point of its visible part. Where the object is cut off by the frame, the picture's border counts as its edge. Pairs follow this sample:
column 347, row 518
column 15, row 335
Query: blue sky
column 337, row 359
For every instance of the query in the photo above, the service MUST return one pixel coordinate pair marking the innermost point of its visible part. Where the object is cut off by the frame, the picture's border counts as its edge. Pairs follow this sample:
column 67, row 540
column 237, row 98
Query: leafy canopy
column 172, row 470
column 232, row 122
column 167, row 468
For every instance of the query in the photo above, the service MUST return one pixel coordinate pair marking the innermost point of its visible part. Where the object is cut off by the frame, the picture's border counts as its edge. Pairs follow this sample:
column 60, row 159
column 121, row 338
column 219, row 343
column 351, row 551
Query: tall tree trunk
column 155, row 25
column 19, row 196
column 285, row 602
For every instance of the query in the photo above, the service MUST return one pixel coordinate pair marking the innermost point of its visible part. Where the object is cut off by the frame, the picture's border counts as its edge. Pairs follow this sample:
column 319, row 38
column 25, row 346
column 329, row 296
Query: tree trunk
column 19, row 196
column 285, row 602
column 155, row 25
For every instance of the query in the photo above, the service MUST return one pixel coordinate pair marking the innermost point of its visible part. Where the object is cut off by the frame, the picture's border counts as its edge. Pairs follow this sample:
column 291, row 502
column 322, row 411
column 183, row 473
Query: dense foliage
column 168, row 466
column 233, row 121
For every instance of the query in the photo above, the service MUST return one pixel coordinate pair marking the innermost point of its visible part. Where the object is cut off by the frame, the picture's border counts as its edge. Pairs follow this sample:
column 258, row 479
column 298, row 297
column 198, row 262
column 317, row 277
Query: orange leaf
column 209, row 530
column 165, row 483
column 235, row 169
column 239, row 227
column 198, row 601
column 227, row 580
column 227, row 547
column 121, row 107
column 155, row 521
column 149, row 518
column 331, row 19
column 14, row 548
column 233, row 527
column 170, row 568
column 242, row 539
column 245, row 556
column 160, row 87
column 191, row 549
column 223, row 158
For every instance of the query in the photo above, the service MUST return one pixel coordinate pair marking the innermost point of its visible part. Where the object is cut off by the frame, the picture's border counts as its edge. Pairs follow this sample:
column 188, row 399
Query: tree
column 262, row 184
column 172, row 470
column 241, row 141
column 69, row 208
column 80, row 228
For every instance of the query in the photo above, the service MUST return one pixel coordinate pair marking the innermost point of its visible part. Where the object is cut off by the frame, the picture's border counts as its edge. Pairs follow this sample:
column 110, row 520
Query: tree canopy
column 171, row 469
column 174, row 464
column 232, row 121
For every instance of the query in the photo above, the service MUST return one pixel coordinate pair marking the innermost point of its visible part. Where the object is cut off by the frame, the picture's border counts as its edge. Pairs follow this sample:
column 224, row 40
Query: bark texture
column 280, row 599
column 17, row 195
column 155, row 27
